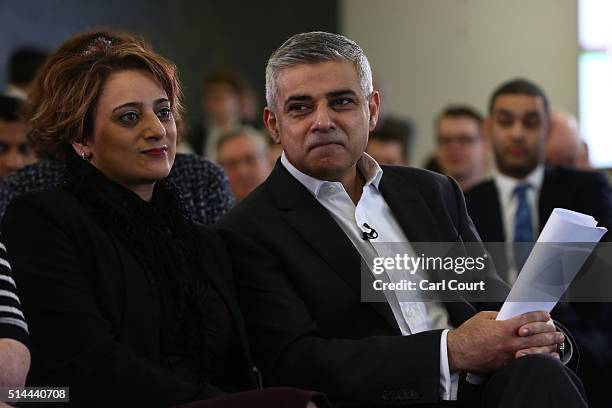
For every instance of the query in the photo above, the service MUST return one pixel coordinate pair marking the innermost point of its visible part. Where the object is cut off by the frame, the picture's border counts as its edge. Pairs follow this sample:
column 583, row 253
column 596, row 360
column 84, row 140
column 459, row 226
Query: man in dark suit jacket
column 517, row 127
column 326, row 206
column 587, row 192
column 221, row 102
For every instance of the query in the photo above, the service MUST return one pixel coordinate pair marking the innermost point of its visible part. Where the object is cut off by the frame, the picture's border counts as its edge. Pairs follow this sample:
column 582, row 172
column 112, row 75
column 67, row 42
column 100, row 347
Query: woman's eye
column 164, row 114
column 129, row 117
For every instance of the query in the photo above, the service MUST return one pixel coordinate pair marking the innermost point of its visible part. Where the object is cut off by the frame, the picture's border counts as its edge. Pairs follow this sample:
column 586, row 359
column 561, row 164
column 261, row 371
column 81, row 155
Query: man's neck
column 517, row 175
column 468, row 182
column 353, row 184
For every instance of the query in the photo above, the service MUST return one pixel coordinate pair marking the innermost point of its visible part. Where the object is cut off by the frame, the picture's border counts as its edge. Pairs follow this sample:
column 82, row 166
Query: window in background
column 595, row 79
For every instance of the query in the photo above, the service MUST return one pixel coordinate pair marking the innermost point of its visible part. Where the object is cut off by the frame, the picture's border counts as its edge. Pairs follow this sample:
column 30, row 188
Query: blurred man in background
column 221, row 111
column 461, row 151
column 388, row 146
column 390, row 131
column 244, row 155
column 564, row 147
column 23, row 66
column 514, row 206
column 15, row 150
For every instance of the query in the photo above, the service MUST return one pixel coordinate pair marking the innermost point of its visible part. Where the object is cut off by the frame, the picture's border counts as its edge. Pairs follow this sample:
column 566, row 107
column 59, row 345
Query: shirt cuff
column 449, row 382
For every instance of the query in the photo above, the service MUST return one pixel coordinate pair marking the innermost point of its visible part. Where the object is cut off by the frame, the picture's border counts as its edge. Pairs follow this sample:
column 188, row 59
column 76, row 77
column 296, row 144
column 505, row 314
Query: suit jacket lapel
column 551, row 196
column 409, row 208
column 319, row 230
column 419, row 225
column 489, row 212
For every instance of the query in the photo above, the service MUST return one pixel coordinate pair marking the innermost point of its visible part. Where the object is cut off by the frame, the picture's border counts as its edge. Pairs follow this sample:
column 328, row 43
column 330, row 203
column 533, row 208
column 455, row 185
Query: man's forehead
column 518, row 103
column 13, row 128
column 241, row 140
column 458, row 122
column 317, row 79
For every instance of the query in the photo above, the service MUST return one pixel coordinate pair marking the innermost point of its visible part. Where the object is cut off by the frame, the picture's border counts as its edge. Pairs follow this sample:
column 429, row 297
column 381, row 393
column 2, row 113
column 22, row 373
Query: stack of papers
column 553, row 263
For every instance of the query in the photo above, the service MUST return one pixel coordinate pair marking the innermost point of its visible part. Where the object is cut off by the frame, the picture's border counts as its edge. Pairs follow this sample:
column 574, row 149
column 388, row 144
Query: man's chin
column 329, row 171
column 517, row 169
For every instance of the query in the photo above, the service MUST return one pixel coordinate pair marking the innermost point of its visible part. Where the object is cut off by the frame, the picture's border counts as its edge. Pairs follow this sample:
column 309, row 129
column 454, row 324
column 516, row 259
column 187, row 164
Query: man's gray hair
column 312, row 48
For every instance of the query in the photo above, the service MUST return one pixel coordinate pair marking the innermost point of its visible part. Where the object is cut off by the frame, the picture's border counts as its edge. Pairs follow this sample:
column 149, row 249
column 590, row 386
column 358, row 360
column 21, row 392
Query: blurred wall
column 434, row 52
column 196, row 34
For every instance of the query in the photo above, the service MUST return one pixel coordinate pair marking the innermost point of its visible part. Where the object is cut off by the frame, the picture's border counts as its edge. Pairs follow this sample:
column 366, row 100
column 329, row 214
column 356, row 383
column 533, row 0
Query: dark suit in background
column 583, row 191
column 586, row 192
column 197, row 137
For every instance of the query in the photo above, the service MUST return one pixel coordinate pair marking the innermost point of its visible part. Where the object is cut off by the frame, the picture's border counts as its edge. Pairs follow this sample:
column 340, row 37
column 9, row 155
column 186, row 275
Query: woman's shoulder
column 54, row 203
column 54, row 197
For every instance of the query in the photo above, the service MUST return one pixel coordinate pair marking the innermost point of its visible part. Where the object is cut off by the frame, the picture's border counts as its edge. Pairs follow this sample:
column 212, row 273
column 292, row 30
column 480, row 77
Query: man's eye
column 531, row 122
column 129, row 117
column 505, row 121
column 342, row 101
column 164, row 114
column 25, row 149
column 298, row 108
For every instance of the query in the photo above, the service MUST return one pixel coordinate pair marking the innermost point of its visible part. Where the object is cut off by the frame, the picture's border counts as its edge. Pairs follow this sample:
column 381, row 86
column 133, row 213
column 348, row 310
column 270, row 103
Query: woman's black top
column 124, row 295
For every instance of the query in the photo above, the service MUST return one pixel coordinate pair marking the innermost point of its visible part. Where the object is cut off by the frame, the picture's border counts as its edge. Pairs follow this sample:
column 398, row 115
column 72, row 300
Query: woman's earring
column 84, row 155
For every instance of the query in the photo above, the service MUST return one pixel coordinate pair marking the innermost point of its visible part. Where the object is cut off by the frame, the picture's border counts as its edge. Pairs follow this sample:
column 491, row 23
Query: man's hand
column 483, row 344
column 535, row 328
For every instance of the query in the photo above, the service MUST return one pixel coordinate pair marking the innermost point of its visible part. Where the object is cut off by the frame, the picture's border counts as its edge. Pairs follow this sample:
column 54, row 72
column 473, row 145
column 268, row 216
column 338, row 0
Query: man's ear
column 271, row 124
column 549, row 127
column 374, row 107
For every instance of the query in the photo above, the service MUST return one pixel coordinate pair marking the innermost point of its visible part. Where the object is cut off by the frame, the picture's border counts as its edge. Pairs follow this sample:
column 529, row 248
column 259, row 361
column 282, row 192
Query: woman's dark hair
column 66, row 90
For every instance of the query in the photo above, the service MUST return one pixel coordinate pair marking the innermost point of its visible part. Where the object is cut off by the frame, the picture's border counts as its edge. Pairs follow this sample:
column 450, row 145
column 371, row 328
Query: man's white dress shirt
column 509, row 203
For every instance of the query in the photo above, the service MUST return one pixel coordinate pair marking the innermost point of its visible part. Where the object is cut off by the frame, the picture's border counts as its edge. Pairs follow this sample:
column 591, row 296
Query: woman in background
column 127, row 299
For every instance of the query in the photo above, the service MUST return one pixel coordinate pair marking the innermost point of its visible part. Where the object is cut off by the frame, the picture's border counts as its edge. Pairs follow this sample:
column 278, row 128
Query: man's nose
column 323, row 119
column 517, row 130
column 14, row 160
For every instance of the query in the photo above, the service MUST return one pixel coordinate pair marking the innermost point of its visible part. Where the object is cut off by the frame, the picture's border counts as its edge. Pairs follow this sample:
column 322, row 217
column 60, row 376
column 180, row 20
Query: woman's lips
column 156, row 152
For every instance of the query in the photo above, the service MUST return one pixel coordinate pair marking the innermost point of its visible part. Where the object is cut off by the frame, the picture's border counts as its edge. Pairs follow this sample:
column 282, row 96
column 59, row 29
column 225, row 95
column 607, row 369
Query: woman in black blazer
column 128, row 300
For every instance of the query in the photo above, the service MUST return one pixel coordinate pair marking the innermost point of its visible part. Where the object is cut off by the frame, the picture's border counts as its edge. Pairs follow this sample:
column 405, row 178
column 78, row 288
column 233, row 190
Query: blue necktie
column 523, row 228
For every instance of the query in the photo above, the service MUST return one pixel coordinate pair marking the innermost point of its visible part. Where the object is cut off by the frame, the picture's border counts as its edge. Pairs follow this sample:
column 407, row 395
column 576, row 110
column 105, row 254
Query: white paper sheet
column 550, row 268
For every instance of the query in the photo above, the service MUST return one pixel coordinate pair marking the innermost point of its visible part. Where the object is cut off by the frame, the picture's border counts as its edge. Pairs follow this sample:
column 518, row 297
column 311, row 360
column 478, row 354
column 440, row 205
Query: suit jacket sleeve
column 598, row 193
column 467, row 230
column 73, row 342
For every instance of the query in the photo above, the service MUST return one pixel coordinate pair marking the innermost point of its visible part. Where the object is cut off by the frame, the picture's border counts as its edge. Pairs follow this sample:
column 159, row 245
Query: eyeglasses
column 249, row 160
column 461, row 140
